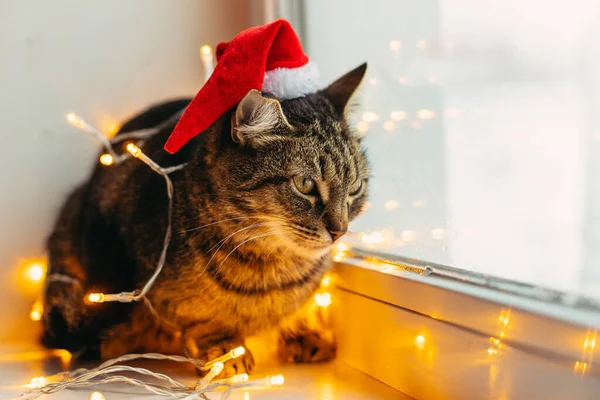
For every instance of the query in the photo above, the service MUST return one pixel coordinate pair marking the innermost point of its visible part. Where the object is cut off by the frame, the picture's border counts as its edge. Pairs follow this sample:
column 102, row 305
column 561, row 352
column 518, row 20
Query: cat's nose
column 336, row 234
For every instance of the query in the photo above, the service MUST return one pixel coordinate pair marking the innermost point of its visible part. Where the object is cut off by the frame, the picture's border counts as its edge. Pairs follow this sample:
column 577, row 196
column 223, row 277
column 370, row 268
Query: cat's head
column 294, row 168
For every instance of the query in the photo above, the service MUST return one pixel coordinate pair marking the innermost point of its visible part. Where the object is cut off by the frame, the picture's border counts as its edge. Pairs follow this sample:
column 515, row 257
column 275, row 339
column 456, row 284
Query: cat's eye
column 304, row 184
column 356, row 188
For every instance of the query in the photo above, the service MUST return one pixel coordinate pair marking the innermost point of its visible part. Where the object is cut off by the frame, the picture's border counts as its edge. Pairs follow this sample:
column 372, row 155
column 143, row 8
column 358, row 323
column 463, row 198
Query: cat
column 265, row 192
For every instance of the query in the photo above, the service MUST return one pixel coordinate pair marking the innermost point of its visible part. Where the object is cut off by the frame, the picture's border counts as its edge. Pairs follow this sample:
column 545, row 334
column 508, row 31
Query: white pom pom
column 286, row 83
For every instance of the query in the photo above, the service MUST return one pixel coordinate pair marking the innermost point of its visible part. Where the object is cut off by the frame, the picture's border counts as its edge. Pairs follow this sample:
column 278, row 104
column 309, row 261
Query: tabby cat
column 265, row 192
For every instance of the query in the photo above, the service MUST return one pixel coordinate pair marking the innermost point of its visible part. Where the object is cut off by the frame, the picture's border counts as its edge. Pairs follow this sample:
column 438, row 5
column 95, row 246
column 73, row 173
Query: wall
column 104, row 60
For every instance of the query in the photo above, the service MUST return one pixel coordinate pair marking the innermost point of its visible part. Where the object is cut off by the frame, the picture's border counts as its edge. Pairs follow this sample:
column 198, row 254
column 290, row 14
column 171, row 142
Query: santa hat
column 268, row 58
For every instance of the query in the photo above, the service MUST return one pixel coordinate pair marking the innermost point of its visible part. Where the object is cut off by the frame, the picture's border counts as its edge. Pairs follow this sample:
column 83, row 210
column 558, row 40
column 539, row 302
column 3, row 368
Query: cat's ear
column 340, row 91
column 257, row 120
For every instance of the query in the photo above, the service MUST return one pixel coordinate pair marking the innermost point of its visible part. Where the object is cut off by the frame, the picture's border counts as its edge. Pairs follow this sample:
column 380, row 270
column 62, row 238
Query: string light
column 362, row 127
column 207, row 61
column 389, row 126
column 37, row 310
column 492, row 351
column 370, row 116
column 106, row 159
column 391, row 205
column 35, row 271
column 323, row 299
column 97, row 396
column 275, row 380
column 395, row 45
column 96, row 297
column 420, row 341
column 398, row 115
column 425, row 114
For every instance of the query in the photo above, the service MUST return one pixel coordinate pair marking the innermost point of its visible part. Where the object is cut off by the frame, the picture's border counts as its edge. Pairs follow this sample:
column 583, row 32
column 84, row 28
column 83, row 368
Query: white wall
column 104, row 60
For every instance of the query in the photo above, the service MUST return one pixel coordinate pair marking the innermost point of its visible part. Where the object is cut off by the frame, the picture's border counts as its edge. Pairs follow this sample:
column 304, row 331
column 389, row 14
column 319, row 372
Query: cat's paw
column 307, row 347
column 239, row 365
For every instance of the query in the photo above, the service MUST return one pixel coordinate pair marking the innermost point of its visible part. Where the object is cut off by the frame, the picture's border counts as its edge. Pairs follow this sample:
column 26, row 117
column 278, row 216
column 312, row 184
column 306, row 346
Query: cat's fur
column 248, row 250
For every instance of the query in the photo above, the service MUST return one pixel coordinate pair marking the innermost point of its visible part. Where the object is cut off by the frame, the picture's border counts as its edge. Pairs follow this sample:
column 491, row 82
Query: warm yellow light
column 492, row 351
column 112, row 129
column 38, row 382
column 240, row 378
column 370, row 116
column 395, row 45
column 387, row 268
column 37, row 310
column 74, row 120
column 339, row 256
column 589, row 344
column 502, row 334
column 97, row 396
column 391, row 205
column 36, row 271
column 389, row 126
column 326, row 281
column 341, row 246
column 372, row 238
column 418, row 203
column 362, row 127
column 425, row 114
column 420, row 341
column 106, row 159
column 323, row 300
column 580, row 367
column 398, row 115
column 71, row 117
column 246, row 396
column 206, row 50
column 408, row 236
column 237, row 352
column 276, row 380
column 494, row 340
column 96, row 297
column 134, row 150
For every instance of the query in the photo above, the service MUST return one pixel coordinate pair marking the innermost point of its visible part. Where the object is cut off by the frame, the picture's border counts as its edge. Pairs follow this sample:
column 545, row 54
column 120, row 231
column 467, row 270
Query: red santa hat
column 268, row 58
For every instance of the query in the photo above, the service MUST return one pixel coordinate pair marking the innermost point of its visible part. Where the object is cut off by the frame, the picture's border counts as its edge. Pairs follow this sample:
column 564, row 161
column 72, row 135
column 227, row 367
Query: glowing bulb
column 74, row 120
column 240, row 378
column 106, row 159
column 494, row 340
column 389, row 126
column 398, row 115
column 134, row 150
column 38, row 382
column 71, row 117
column 341, row 246
column 276, row 380
column 237, row 352
column 113, row 128
column 408, row 236
column 391, row 205
column 580, row 367
column 326, row 281
column 96, row 297
column 97, row 396
column 395, row 45
column 370, row 116
column 246, row 396
column 206, row 50
column 37, row 310
column 36, row 271
column 387, row 268
column 420, row 341
column 438, row 233
column 425, row 114
column 418, row 203
column 362, row 127
column 492, row 351
column 323, row 300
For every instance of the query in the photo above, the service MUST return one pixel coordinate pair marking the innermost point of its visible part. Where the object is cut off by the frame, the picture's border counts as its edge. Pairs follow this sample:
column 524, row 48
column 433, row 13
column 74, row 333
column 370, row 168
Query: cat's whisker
column 246, row 241
column 222, row 243
column 221, row 221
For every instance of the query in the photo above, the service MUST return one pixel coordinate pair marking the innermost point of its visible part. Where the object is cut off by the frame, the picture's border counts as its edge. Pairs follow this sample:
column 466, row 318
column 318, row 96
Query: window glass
column 482, row 121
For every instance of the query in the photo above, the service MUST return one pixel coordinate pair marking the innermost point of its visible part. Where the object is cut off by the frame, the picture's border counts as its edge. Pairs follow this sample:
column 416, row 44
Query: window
column 482, row 120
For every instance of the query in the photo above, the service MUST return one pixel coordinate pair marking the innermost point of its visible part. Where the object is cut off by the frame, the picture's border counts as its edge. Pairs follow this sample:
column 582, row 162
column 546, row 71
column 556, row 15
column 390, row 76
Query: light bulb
column 36, row 271
column 237, row 352
column 420, row 341
column 425, row 114
column 106, row 159
column 96, row 297
column 370, row 116
column 398, row 115
column 395, row 45
column 134, row 150
column 38, row 382
column 206, row 50
column 97, row 396
column 389, row 126
column 37, row 310
column 276, row 380
column 323, row 300
column 240, row 378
